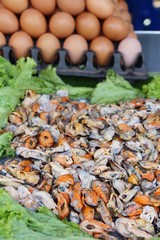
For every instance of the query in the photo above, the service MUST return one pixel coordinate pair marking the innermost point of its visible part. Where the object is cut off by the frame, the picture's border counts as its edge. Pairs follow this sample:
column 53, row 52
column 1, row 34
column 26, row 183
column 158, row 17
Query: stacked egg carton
column 80, row 38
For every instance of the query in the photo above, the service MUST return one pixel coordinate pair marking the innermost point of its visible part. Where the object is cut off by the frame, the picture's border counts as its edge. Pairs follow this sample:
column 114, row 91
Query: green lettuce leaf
column 5, row 144
column 156, row 237
column 49, row 75
column 5, row 71
column 152, row 89
column 17, row 223
column 22, row 76
column 53, row 83
column 9, row 99
column 47, row 82
column 78, row 92
column 113, row 90
column 16, row 79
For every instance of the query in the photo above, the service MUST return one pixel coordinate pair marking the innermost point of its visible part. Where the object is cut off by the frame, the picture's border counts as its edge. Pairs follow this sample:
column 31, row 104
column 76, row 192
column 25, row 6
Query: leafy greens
column 5, row 144
column 16, row 79
column 9, row 99
column 17, row 223
column 152, row 89
column 113, row 90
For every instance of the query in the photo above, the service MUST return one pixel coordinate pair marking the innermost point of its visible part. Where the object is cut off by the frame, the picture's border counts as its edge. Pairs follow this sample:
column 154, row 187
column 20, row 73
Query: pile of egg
column 74, row 25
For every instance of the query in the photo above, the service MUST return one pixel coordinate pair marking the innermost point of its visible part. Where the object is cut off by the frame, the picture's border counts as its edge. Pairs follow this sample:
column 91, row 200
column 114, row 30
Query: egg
column 123, row 5
column 49, row 44
column 103, row 48
column 131, row 27
column 76, row 46
column 8, row 21
column 74, row 7
column 101, row 8
column 16, row 6
column 62, row 24
column 46, row 7
column 117, row 11
column 21, row 42
column 33, row 22
column 2, row 39
column 130, row 48
column 132, row 34
column 126, row 15
column 115, row 28
column 1, row 4
column 88, row 25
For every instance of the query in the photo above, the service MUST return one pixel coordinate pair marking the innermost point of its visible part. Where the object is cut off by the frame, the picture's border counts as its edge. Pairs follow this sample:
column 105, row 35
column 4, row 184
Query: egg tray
column 88, row 67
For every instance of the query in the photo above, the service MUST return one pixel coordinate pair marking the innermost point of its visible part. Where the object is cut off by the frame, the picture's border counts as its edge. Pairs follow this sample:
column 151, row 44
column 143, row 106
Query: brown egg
column 76, row 46
column 132, row 34
column 117, row 11
column 88, row 25
column 126, row 15
column 74, row 7
column 115, row 28
column 33, row 22
column 62, row 24
column 8, row 21
column 49, row 44
column 16, row 6
column 123, row 5
column 46, row 7
column 131, row 27
column 103, row 48
column 2, row 39
column 21, row 42
column 1, row 4
column 101, row 8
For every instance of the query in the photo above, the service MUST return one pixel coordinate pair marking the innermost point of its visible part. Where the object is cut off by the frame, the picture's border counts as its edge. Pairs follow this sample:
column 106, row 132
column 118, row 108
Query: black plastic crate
column 87, row 68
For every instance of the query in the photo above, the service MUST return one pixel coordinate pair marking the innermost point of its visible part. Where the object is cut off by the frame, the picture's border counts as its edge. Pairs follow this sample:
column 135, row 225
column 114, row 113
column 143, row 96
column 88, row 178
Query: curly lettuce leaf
column 78, row 92
column 17, row 223
column 9, row 99
column 156, row 237
column 113, row 90
column 5, row 71
column 52, row 83
column 22, row 77
column 16, row 79
column 22, row 74
column 152, row 89
column 5, row 144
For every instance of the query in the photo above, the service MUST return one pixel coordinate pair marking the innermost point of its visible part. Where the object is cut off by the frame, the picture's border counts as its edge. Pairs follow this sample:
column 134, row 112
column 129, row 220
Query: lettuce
column 5, row 144
column 156, row 237
column 47, row 81
column 5, row 71
column 114, row 89
column 17, row 223
column 16, row 79
column 53, row 83
column 152, row 89
column 9, row 99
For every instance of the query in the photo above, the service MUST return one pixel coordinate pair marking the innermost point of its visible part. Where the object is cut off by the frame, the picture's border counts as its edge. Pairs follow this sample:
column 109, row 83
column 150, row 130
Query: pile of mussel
column 95, row 165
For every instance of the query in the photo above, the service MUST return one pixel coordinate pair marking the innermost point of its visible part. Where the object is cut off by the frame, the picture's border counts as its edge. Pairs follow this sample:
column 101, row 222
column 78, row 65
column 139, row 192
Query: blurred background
column 145, row 14
column 146, row 21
